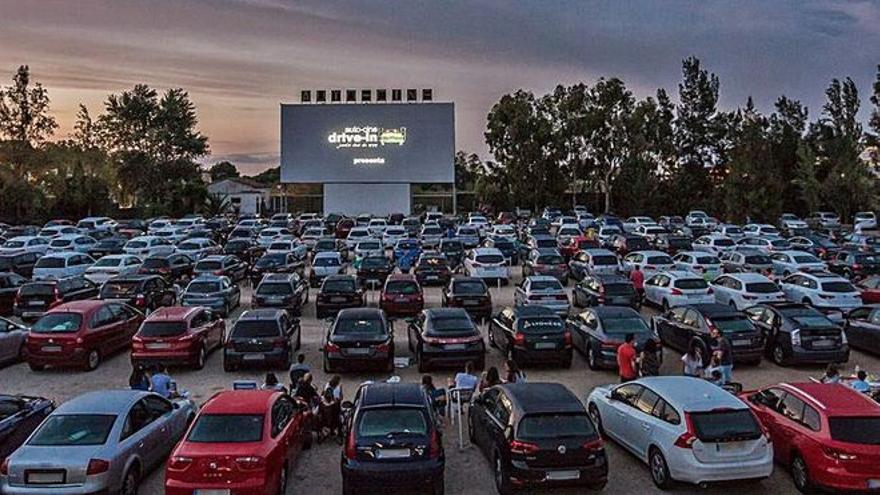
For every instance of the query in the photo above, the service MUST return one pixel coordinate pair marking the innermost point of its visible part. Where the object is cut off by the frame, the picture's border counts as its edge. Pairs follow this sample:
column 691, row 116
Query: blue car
column 215, row 293
column 19, row 416
column 406, row 253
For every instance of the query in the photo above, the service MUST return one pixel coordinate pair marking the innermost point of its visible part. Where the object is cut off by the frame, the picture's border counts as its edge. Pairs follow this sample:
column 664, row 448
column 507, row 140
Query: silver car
column 102, row 441
column 12, row 337
column 543, row 290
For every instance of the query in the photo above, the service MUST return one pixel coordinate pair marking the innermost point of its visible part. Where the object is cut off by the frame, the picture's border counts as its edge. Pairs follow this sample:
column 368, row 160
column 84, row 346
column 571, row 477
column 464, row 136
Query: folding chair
column 458, row 398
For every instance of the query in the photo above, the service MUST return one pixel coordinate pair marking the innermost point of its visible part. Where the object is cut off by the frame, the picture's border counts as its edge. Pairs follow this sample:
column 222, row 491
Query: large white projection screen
column 373, row 199
column 378, row 143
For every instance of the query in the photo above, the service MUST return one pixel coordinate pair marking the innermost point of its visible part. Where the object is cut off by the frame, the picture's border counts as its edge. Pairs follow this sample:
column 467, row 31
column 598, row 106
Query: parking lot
column 466, row 469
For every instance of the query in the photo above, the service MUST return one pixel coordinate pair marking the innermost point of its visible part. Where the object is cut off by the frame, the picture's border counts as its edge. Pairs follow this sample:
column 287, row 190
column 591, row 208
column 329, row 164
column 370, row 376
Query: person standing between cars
column 722, row 348
column 637, row 277
column 692, row 362
column 649, row 363
column 437, row 395
column 626, row 359
column 513, row 373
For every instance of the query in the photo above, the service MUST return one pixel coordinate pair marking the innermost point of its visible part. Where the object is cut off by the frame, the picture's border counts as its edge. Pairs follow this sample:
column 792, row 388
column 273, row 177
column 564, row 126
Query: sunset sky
column 239, row 59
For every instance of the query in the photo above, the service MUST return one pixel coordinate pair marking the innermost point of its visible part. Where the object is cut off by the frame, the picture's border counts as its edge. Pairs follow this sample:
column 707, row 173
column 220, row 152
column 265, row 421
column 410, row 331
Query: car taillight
column 250, row 462
column 838, row 454
column 97, row 466
column 519, row 339
column 856, row 266
column 140, row 300
column 382, row 348
column 218, row 272
column 4, row 467
column 593, row 445
column 164, row 270
column 686, row 440
column 351, row 446
column 331, row 348
column 567, row 338
column 749, row 298
column 179, row 462
column 434, row 449
column 826, row 296
column 525, row 448
column 675, row 292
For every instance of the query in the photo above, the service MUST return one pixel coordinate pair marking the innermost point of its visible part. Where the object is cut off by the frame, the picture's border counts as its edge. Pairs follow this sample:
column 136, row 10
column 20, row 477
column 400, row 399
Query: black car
column 605, row 290
column 863, row 328
column 359, row 338
column 9, row 284
column 508, row 248
column 266, row 337
column 174, row 268
column 282, row 290
column 537, row 434
column 855, row 264
column 531, row 334
column 20, row 263
column 797, row 334
column 373, row 271
column 331, row 245
column 671, row 244
column 19, row 417
column 35, row 298
column 453, row 249
column 394, row 441
column 222, row 266
column 110, row 245
column 627, row 243
column 598, row 332
column 432, row 268
column 682, row 325
column 275, row 263
column 246, row 249
column 338, row 292
column 470, row 293
column 445, row 337
column 144, row 292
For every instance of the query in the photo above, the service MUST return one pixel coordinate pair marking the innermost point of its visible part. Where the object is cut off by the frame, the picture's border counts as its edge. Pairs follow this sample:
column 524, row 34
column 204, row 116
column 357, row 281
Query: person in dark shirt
column 721, row 347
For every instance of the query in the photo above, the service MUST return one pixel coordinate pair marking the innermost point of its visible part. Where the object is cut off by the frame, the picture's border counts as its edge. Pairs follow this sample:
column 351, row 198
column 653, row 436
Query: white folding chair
column 458, row 398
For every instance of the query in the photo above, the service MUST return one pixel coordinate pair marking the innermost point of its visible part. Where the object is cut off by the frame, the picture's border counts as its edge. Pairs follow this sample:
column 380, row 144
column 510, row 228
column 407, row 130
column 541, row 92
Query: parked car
column 825, row 434
column 445, row 337
column 283, row 245
column 12, row 349
column 862, row 327
column 148, row 245
column 649, row 262
column 673, row 243
column 714, row 243
column 701, row 263
column 686, row 429
column 855, row 264
column 112, row 265
column 178, row 336
column 359, row 338
column 672, row 288
column 285, row 263
column 198, row 248
column 405, row 253
column 593, row 261
column 762, row 230
column 735, row 232
column 598, row 332
column 25, row 243
column 432, row 268
column 537, row 434
column 531, row 334
column 265, row 337
column 173, row 268
column 542, row 290
column 35, row 298
column 282, row 290
column 546, row 262
column 624, row 244
column 367, row 248
column 110, row 245
column 823, row 219
column 798, row 334
column 742, row 290
column 825, row 291
column 869, row 289
column 145, row 293
column 81, row 333
column 685, row 325
column 454, row 250
column 216, row 293
column 20, row 263
column 338, row 292
column 430, row 235
column 222, row 265
column 469, row 293
column 507, row 245
column 745, row 261
column 787, row 262
column 9, row 285
column 373, row 271
column 101, row 441
column 604, row 290
column 62, row 265
column 245, row 249
column 324, row 265
column 488, row 264
column 20, row 415
column 819, row 245
column 401, row 295
column 765, row 244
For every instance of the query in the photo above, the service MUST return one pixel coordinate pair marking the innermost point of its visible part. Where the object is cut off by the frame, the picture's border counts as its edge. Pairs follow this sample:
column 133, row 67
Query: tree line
column 601, row 145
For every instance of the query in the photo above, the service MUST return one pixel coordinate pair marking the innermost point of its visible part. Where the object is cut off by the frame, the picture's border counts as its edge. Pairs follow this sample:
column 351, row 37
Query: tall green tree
column 223, row 170
column 24, row 110
column 610, row 141
column 874, row 123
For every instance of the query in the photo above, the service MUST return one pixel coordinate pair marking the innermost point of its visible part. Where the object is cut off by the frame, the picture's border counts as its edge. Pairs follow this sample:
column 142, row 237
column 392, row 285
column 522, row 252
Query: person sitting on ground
column 306, row 391
column 491, row 379
column 716, row 377
column 139, row 379
column 714, row 365
column 832, row 374
column 271, row 383
column 298, row 370
column 328, row 415
column 861, row 384
column 513, row 373
column 160, row 382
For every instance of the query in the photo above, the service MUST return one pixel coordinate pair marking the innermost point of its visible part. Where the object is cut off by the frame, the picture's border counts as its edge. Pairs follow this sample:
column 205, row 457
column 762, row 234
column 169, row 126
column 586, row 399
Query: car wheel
column 282, row 482
column 592, row 361
column 201, row 358
column 665, row 305
column 659, row 469
column 93, row 360
column 502, row 480
column 130, row 483
column 800, row 475
column 593, row 411
column 22, row 353
column 778, row 355
column 227, row 367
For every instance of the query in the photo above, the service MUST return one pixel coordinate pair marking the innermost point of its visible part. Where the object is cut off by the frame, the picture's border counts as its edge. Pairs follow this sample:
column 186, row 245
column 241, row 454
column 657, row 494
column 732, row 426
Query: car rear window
column 806, row 259
column 208, row 266
column 733, row 324
column 725, row 426
column 451, row 325
column 162, row 328
column 366, row 326
column 490, row 258
column 604, row 260
column 388, row 421
column 708, row 260
column 541, row 324
column 625, row 325
column 153, row 263
column 813, row 321
column 619, row 289
column 189, row 246
column 469, row 287
column 838, row 287
column 723, row 242
column 762, row 288
column 401, row 287
column 550, row 259
column 548, row 426
column 203, row 287
column 691, row 284
column 369, row 246
column 545, row 243
column 859, row 430
column 49, row 262
column 659, row 260
column 36, row 290
column 274, row 288
column 374, row 262
column 758, row 260
column 338, row 286
column 111, row 289
column 551, row 285
column 61, row 430
column 255, row 328
column 57, row 323
column 227, row 428
column 432, row 261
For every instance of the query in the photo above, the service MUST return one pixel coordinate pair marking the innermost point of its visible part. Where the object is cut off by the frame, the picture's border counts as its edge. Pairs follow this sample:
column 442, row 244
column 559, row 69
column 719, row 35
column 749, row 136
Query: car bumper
column 433, row 278
column 560, row 309
column 542, row 356
column 377, row 360
column 452, row 358
column 747, row 354
column 595, row 475
column 186, row 357
column 415, row 474
column 61, row 359
column 251, row 486
column 239, row 358
column 683, row 466
column 480, row 311
column 86, row 489
column 685, row 300
column 840, row 479
column 402, row 309
column 331, row 308
column 215, row 305
column 801, row 355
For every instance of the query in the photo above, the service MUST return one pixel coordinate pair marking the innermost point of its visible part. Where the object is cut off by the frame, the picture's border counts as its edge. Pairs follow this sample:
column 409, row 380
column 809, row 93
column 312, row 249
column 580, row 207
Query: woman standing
column 692, row 362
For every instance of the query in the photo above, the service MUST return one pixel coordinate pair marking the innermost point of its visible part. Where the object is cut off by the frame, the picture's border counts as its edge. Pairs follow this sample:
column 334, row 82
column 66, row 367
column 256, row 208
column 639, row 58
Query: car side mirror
column 347, row 405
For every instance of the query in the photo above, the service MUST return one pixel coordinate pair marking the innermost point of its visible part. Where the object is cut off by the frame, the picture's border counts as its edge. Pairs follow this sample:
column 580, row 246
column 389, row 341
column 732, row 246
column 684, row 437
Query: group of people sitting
column 466, row 383
column 154, row 378
column 859, row 382
column 326, row 405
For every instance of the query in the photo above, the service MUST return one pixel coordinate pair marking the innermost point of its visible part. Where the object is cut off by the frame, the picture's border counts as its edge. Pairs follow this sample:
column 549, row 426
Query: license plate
column 254, row 357
column 742, row 341
column 337, row 299
column 823, row 344
column 873, row 484
column 158, row 345
column 432, row 277
column 391, row 453
column 54, row 477
column 212, row 492
column 548, row 299
column 51, row 348
column 359, row 352
column 545, row 345
column 30, row 314
column 401, row 300
column 563, row 475
column 471, row 303
column 35, row 303
column 455, row 347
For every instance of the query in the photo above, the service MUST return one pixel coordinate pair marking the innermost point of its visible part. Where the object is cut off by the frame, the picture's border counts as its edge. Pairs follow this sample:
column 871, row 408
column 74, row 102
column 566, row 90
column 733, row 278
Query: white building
column 246, row 197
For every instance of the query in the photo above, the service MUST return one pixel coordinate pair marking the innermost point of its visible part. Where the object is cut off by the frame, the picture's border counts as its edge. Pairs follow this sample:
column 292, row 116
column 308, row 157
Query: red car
column 870, row 289
column 343, row 227
column 81, row 333
column 828, row 434
column 178, row 335
column 402, row 295
column 243, row 442
column 571, row 246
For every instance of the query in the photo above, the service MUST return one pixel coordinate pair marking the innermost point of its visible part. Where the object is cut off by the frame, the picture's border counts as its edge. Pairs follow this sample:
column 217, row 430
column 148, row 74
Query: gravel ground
column 466, row 469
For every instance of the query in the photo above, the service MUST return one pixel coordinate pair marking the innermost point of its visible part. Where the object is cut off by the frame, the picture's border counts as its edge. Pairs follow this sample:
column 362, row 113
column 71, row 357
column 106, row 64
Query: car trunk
column 726, row 436
column 557, row 441
column 48, row 466
column 360, row 345
column 855, row 443
column 209, row 465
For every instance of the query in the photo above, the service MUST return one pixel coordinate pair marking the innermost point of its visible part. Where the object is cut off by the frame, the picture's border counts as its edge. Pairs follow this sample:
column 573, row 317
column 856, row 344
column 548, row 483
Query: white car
column 71, row 242
column 632, row 222
column 197, row 248
column 826, row 292
column 568, row 231
column 650, row 232
column 761, row 229
column 486, row 263
column 790, row 221
column 189, row 223
column 672, row 288
column 311, row 235
column 696, row 215
column 62, row 265
column 594, row 261
column 112, row 265
column 480, row 222
column 825, row 219
column 96, row 223
column 370, row 247
column 765, row 244
column 325, row 264
column 392, row 234
column 706, row 264
column 714, row 243
column 607, row 233
column 288, row 245
column 686, row 429
column 865, row 220
column 26, row 244
column 787, row 262
column 430, row 235
column 267, row 235
column 506, row 231
column 148, row 245
column 543, row 290
column 170, row 234
column 649, row 262
column 161, row 223
column 377, row 227
column 745, row 289
column 356, row 235
column 58, row 230
column 729, row 230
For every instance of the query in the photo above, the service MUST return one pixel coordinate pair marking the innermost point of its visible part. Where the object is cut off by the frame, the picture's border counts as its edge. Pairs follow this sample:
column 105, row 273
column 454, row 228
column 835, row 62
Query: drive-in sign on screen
column 406, row 142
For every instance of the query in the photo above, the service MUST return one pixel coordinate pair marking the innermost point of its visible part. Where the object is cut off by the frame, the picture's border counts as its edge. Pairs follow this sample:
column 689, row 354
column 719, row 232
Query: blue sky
column 240, row 58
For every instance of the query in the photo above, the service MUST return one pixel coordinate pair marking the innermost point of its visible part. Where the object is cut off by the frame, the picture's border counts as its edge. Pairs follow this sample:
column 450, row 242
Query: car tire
column 502, row 480
column 592, row 362
column 800, row 474
column 227, row 367
column 93, row 360
column 201, row 358
column 665, row 306
column 282, row 481
column 659, row 469
column 778, row 355
column 130, row 482
column 593, row 411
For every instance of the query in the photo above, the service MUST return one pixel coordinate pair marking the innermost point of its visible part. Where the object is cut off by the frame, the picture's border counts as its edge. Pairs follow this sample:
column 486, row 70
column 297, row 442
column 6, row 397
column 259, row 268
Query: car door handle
column 646, row 426
column 141, row 444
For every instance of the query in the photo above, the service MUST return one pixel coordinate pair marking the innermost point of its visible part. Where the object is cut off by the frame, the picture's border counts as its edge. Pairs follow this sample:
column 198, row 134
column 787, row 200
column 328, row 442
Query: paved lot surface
column 466, row 470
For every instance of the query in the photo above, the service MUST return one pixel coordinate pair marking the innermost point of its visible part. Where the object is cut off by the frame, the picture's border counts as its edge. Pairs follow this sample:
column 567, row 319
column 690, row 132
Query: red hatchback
column 81, row 333
column 870, row 289
column 243, row 442
column 402, row 295
column 178, row 335
column 828, row 434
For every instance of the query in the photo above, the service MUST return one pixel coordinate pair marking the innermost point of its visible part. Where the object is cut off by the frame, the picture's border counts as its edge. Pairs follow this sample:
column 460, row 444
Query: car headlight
column 796, row 337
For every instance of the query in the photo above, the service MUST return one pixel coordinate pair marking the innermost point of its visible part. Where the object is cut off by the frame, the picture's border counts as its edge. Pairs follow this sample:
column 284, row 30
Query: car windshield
column 471, row 287
column 545, row 243
column 338, row 286
column 374, row 262
column 812, row 321
column 550, row 259
column 36, row 290
column 407, row 245
column 550, row 426
column 600, row 260
column 203, row 287
column 618, row 289
column 858, row 430
column 546, row 285
column 451, row 247
column 227, row 428
column 162, row 328
column 490, row 258
column 327, row 261
column 61, row 242
column 780, row 244
column 401, row 287
column 49, row 262
column 325, row 245
column 432, row 231
column 388, row 421
column 718, row 426
column 108, row 262
column 236, row 246
column 541, row 324
column 209, row 266
column 62, row 430
column 806, row 258
column 57, row 323
column 838, row 287
column 367, row 326
column 625, row 325
column 13, row 244
column 691, row 284
column 267, row 260
column 757, row 259
column 116, row 289
column 467, row 232
column 369, row 246
column 155, row 263
column 733, row 324
column 189, row 246
column 248, row 329
column 762, row 288
column 274, row 289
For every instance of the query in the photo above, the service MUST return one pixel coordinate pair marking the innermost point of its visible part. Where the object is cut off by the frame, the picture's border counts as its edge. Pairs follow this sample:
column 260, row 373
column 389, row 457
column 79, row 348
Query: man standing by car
column 638, row 280
column 721, row 348
column 626, row 359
